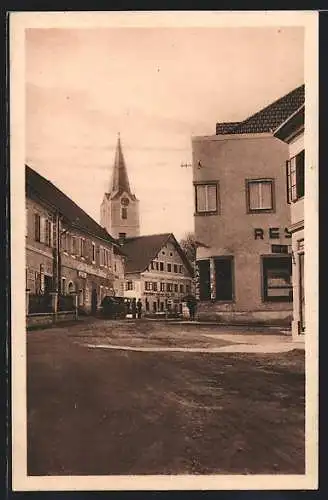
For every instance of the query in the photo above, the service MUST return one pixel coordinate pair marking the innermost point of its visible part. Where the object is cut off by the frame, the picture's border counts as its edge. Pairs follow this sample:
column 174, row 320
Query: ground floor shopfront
column 246, row 287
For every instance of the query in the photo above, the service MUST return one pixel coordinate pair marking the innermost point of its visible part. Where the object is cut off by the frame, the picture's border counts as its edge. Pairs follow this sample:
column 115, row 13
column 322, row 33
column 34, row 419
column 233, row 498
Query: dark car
column 113, row 307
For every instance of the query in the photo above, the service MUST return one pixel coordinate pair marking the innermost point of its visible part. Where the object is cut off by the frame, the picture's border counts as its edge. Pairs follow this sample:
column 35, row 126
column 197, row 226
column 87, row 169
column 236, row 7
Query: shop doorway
column 223, row 278
column 301, row 292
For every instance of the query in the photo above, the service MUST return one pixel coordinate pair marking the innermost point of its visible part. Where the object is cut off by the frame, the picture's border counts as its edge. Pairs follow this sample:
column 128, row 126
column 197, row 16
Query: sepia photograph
column 164, row 172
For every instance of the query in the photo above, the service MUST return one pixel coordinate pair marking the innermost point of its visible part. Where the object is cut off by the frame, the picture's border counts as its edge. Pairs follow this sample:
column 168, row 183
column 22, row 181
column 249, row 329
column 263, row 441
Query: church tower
column 119, row 211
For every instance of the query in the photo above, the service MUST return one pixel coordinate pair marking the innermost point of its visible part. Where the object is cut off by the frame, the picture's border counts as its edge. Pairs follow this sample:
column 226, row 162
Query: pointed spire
column 120, row 180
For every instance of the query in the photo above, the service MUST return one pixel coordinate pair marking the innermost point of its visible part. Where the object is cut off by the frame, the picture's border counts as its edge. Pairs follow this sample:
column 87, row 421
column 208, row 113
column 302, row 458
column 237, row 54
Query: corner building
column 292, row 132
column 242, row 219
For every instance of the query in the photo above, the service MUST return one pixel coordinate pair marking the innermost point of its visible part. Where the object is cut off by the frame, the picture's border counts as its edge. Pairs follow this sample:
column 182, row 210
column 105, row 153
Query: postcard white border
column 19, row 21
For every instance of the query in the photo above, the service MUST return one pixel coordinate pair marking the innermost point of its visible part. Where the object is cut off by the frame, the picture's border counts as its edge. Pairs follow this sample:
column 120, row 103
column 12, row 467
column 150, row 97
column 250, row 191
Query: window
column 122, row 236
column 162, row 287
column 124, row 213
column 155, row 286
column 176, row 288
column 279, row 249
column 181, row 289
column 206, row 198
column 129, row 285
column 259, row 194
column 93, row 252
column 169, row 287
column 152, row 265
column 175, row 268
column 74, row 244
column 180, row 269
column 47, row 232
column 277, row 286
column 157, row 266
column 295, row 177
column 161, row 266
column 82, row 247
column 63, row 286
column 37, row 227
column 169, row 268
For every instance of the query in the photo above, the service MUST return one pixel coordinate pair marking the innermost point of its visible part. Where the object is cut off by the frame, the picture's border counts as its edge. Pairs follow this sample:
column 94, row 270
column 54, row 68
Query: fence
column 66, row 303
column 40, row 304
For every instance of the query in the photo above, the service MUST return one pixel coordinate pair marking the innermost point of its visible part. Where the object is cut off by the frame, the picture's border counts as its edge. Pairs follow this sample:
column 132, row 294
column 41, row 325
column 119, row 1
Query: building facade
column 242, row 219
column 66, row 250
column 158, row 272
column 292, row 132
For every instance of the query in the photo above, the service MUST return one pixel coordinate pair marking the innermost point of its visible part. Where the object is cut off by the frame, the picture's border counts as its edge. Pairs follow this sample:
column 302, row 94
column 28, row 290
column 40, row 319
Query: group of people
column 136, row 308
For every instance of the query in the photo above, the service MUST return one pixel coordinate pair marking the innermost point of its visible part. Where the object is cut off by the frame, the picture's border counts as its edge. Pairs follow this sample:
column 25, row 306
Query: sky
column 157, row 87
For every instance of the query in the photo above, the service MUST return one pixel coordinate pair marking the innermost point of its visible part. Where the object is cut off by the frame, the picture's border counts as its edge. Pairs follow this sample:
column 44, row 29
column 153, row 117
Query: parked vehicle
column 113, row 307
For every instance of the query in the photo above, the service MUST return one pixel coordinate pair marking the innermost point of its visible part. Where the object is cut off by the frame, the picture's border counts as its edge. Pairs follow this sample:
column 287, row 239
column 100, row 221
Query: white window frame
column 260, row 182
column 206, row 186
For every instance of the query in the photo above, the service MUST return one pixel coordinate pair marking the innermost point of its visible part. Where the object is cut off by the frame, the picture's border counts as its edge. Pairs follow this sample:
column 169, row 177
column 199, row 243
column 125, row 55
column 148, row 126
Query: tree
column 188, row 245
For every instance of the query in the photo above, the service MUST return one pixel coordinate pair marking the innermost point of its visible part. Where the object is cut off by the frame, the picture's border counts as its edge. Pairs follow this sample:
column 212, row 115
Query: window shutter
column 288, row 181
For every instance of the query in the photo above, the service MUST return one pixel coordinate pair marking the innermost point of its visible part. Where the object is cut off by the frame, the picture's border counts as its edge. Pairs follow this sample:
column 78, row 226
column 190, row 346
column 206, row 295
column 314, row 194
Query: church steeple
column 120, row 180
column 119, row 211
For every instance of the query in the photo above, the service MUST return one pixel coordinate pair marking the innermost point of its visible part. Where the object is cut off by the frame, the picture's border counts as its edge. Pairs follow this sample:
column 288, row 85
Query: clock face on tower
column 125, row 202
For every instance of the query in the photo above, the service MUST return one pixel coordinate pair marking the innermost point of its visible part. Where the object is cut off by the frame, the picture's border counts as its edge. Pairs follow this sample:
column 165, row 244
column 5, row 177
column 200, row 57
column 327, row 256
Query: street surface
column 147, row 397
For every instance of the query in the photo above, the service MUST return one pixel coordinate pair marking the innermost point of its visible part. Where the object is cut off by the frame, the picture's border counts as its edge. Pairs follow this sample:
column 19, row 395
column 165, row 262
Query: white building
column 292, row 132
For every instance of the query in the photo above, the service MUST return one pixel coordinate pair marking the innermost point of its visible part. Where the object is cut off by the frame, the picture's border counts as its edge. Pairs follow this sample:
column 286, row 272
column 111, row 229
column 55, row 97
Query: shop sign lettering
column 273, row 233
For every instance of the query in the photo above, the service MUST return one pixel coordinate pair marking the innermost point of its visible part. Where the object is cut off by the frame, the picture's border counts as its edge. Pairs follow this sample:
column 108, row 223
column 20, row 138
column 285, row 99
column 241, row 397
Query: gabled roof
column 268, row 118
column 141, row 250
column 38, row 186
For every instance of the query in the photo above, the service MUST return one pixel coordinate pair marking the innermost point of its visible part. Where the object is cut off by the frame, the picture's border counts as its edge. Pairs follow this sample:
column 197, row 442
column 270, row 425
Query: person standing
column 139, row 308
column 191, row 304
column 134, row 308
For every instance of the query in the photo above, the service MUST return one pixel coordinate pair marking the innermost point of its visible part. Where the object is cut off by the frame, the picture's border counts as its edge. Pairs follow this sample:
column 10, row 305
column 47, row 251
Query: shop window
column 204, row 279
column 259, row 194
column 37, row 227
column 206, row 198
column 277, row 283
column 295, row 177
column 223, row 278
column 154, row 307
